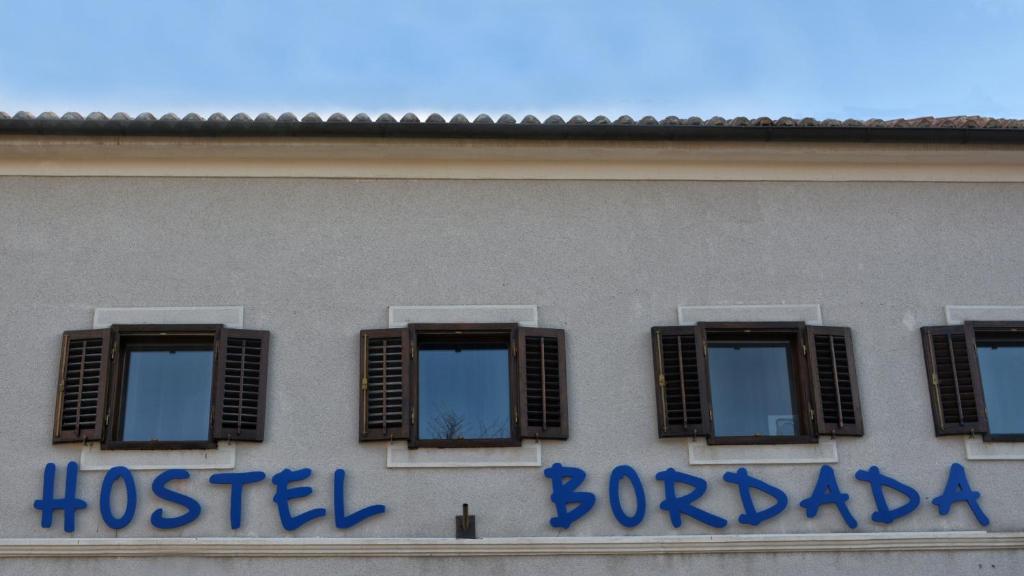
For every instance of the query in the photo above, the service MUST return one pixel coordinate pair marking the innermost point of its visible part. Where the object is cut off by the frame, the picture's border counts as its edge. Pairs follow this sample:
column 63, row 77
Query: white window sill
column 220, row 458
column 824, row 452
column 526, row 456
column 978, row 449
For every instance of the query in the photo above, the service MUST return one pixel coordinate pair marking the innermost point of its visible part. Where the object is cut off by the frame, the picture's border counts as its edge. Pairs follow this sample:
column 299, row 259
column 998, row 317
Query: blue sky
column 821, row 58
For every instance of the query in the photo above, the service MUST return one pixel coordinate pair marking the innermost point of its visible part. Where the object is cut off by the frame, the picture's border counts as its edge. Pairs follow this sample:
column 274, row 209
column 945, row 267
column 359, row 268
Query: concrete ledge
column 824, row 452
column 526, row 456
column 809, row 313
column 978, row 449
column 961, row 314
column 230, row 316
column 522, row 314
column 220, row 458
column 540, row 546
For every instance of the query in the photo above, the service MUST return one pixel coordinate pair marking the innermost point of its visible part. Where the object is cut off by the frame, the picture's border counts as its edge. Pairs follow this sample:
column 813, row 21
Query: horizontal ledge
column 533, row 546
column 507, row 159
column 526, row 456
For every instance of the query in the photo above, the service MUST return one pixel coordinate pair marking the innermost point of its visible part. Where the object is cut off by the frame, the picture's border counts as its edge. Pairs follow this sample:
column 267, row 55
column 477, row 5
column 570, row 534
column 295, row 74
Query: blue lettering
column 751, row 515
column 959, row 490
column 237, row 481
column 564, row 482
column 160, row 489
column 826, row 491
column 340, row 519
column 614, row 481
column 113, row 475
column 69, row 504
column 284, row 494
column 883, row 514
column 678, row 506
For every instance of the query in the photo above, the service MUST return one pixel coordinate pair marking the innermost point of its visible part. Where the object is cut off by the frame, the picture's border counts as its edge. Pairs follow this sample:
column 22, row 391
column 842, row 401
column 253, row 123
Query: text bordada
column 680, row 495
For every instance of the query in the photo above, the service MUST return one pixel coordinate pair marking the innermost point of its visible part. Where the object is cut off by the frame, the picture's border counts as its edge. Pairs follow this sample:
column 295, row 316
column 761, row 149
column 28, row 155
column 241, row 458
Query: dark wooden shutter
column 82, row 386
column 677, row 383
column 384, row 384
column 543, row 404
column 834, row 381
column 241, row 395
column 954, row 389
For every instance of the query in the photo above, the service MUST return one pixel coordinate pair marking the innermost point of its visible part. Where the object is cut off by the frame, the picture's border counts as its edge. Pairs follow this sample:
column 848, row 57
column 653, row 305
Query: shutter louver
column 543, row 404
column 677, row 383
column 951, row 382
column 834, row 381
column 241, row 395
column 384, row 385
column 82, row 386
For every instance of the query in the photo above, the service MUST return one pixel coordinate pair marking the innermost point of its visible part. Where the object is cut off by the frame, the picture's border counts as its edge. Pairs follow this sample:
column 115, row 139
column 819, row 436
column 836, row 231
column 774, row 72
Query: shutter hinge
column 711, row 414
column 705, row 349
column 515, row 414
column 106, row 419
column 514, row 350
column 935, row 379
column 412, row 352
column 412, row 417
column 113, row 350
column 365, row 384
column 805, row 349
column 661, row 380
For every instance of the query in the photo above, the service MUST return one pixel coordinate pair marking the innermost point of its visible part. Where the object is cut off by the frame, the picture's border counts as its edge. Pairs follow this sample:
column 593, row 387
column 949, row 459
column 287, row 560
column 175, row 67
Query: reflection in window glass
column 464, row 392
column 1002, row 380
column 750, row 390
column 168, row 395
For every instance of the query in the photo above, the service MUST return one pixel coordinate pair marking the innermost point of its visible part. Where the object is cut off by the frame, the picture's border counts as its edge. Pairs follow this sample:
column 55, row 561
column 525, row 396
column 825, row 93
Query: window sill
column 526, row 456
column 823, row 452
column 220, row 458
column 978, row 449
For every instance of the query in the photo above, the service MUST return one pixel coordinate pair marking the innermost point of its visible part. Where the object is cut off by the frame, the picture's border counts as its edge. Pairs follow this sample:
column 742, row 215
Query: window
column 976, row 378
column 162, row 386
column 462, row 385
column 755, row 383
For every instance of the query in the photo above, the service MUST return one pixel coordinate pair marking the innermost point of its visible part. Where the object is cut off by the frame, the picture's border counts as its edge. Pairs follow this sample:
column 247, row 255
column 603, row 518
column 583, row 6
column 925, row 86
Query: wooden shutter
column 677, row 383
column 82, row 386
column 241, row 394
column 955, row 392
column 543, row 404
column 384, row 384
column 834, row 381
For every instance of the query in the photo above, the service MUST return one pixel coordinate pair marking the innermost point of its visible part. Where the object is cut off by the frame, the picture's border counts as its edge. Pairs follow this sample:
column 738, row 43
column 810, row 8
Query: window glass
column 168, row 395
column 1002, row 379
column 464, row 391
column 751, row 391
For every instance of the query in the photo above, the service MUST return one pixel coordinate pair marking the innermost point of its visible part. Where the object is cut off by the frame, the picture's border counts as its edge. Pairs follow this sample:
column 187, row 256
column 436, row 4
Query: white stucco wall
column 314, row 261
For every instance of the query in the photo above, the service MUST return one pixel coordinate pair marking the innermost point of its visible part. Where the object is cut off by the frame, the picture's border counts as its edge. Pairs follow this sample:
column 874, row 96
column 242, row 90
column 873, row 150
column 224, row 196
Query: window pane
column 1002, row 379
column 750, row 390
column 168, row 395
column 464, row 393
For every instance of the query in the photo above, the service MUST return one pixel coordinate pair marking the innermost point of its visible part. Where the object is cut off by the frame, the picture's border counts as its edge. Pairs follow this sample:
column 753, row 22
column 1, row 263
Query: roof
column 951, row 129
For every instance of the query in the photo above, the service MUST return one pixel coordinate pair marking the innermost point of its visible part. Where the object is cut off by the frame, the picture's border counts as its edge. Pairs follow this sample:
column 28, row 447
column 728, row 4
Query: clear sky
column 821, row 58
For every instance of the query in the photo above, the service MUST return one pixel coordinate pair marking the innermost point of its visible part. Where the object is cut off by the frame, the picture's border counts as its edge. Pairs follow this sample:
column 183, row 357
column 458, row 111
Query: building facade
column 649, row 268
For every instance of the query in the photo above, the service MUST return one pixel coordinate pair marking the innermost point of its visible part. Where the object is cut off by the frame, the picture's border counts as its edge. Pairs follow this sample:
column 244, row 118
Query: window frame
column 463, row 331
column 990, row 330
column 753, row 333
column 126, row 338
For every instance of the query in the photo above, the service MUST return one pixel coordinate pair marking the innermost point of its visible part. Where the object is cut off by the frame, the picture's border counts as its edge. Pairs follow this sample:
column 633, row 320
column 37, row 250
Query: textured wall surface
column 315, row 261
